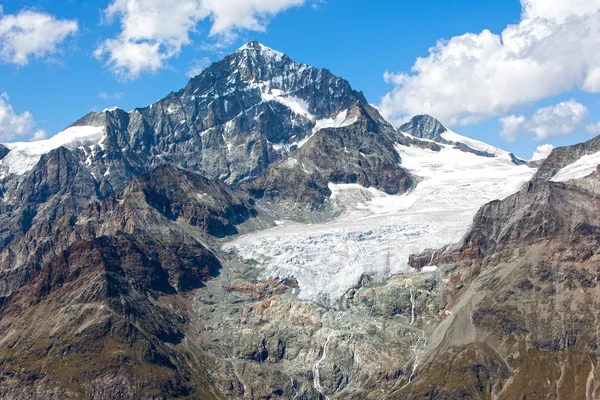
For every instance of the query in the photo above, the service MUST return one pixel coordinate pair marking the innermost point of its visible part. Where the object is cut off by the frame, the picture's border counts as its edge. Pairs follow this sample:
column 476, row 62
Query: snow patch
column 24, row 155
column 579, row 169
column 474, row 144
column 296, row 104
column 267, row 52
column 290, row 163
column 339, row 121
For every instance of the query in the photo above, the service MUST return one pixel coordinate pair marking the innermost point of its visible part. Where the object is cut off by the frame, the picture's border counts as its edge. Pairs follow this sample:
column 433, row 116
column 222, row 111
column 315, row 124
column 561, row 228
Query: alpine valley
column 264, row 233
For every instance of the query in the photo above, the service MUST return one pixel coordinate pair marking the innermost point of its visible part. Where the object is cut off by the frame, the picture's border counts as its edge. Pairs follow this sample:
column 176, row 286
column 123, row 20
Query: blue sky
column 536, row 85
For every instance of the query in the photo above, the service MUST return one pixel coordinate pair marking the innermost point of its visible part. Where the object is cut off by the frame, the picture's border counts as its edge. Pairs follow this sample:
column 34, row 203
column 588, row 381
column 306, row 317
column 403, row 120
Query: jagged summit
column 255, row 46
column 425, row 127
column 429, row 128
column 232, row 121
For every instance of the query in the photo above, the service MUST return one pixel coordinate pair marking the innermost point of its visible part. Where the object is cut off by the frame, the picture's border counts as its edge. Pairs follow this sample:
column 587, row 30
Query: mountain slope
column 105, row 290
column 521, row 300
column 562, row 157
column 427, row 127
column 359, row 150
column 57, row 185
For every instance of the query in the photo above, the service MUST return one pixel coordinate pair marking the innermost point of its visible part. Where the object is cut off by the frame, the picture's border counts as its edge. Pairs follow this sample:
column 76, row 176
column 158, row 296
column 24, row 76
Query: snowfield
column 24, row 155
column 377, row 232
column 472, row 143
column 579, row 169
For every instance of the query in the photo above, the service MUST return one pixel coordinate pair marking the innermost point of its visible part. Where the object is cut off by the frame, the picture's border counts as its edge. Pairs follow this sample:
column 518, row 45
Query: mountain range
column 265, row 233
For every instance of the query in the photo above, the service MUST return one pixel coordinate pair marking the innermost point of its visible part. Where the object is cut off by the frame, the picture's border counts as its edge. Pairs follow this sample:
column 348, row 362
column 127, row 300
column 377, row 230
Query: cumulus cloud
column 12, row 124
column 511, row 126
column 473, row 77
column 561, row 119
column 231, row 15
column 31, row 34
column 542, row 152
column 153, row 31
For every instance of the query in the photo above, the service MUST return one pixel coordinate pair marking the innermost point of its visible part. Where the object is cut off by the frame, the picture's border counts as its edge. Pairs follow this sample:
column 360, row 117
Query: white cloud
column 153, row 31
column 31, row 34
column 111, row 96
column 558, row 10
column 231, row 15
column 561, row 119
column 12, row 124
column 593, row 129
column 39, row 135
column 542, row 152
column 511, row 125
column 197, row 66
column 472, row 77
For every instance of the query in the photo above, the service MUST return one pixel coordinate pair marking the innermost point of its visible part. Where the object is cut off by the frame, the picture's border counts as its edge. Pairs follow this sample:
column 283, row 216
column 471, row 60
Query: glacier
column 377, row 232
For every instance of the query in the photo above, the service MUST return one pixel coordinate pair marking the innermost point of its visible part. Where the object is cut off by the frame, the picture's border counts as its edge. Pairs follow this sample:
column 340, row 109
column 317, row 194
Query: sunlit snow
column 579, row 169
column 296, row 104
column 377, row 232
column 267, row 52
column 472, row 143
column 24, row 155
column 341, row 120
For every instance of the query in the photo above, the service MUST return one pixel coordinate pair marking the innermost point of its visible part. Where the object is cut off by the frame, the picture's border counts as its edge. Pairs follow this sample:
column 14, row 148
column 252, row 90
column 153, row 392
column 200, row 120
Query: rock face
column 230, row 122
column 164, row 206
column 362, row 152
column 520, row 320
column 107, row 287
column 425, row 127
column 57, row 184
column 560, row 157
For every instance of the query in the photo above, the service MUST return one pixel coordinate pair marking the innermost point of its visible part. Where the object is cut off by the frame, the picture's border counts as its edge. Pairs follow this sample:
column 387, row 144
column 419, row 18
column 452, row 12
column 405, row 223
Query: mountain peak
column 256, row 47
column 253, row 44
column 424, row 127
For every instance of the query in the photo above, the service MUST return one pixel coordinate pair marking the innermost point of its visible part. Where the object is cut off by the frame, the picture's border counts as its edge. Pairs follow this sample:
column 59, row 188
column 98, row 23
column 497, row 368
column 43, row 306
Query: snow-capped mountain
column 429, row 128
column 230, row 122
column 265, row 233
column 286, row 133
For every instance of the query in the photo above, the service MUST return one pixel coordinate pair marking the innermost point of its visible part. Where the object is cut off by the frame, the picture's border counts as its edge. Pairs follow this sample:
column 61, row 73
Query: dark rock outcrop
column 165, row 206
column 102, row 292
column 362, row 152
column 57, row 185
column 425, row 127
